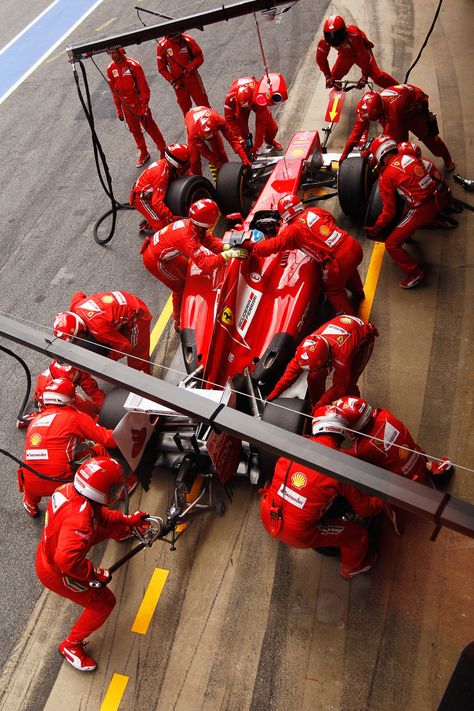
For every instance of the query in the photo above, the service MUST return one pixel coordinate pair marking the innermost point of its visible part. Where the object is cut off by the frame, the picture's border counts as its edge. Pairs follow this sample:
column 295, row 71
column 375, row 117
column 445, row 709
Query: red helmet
column 382, row 145
column 204, row 213
column 244, row 96
column 63, row 370
column 409, row 148
column 206, row 128
column 355, row 411
column 100, row 479
column 60, row 391
column 370, row 107
column 177, row 155
column 314, row 353
column 327, row 420
column 289, row 206
column 335, row 30
column 67, row 325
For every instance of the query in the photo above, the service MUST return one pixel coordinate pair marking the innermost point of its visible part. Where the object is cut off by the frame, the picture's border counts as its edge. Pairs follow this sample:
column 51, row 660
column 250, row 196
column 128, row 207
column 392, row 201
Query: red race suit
column 120, row 321
column 293, row 509
column 316, row 234
column 237, row 117
column 351, row 342
column 52, row 447
column 388, row 444
column 73, row 525
column 166, row 255
column 213, row 149
column 355, row 49
column 178, row 62
column 131, row 94
column 149, row 192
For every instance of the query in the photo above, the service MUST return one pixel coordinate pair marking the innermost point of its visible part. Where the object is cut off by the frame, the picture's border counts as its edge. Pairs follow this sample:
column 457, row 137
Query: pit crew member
column 399, row 109
column 131, row 95
column 149, row 192
column 315, row 233
column 116, row 319
column 179, row 56
column 239, row 102
column 167, row 254
column 353, row 47
column 424, row 191
column 294, row 506
column 58, row 439
column 204, row 127
column 342, row 345
column 77, row 519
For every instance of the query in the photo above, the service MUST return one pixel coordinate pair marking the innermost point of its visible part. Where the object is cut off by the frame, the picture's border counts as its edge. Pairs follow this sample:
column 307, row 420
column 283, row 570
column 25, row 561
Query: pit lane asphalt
column 50, row 199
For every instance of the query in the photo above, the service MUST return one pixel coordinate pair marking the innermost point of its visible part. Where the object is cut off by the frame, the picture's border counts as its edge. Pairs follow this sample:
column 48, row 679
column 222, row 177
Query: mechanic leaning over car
column 203, row 126
column 352, row 47
column 166, row 255
column 382, row 439
column 399, row 109
column 294, row 505
column 179, row 56
column 57, row 440
column 131, row 94
column 315, row 233
column 116, row 319
column 424, row 191
column 239, row 102
column 149, row 192
column 343, row 345
column 78, row 518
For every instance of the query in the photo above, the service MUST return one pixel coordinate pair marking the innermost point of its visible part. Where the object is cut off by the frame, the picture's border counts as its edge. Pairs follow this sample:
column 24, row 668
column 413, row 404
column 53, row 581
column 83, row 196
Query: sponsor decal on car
column 248, row 312
column 254, row 276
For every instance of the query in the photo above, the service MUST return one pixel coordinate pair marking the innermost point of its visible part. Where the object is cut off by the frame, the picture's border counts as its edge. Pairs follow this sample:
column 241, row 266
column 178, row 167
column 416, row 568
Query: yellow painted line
column 105, row 24
column 161, row 324
column 114, row 693
column 371, row 280
column 150, row 601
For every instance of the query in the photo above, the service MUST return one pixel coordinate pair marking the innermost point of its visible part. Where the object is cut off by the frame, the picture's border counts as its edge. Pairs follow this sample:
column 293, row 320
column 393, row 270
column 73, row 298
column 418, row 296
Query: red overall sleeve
column 196, row 51
column 322, row 52
column 287, row 238
column 388, row 192
column 160, row 187
column 362, row 503
column 230, row 113
column 291, row 375
column 87, row 428
column 113, row 89
column 360, row 128
column 162, row 62
column 233, row 139
column 91, row 388
column 143, row 88
column 362, row 48
column 74, row 542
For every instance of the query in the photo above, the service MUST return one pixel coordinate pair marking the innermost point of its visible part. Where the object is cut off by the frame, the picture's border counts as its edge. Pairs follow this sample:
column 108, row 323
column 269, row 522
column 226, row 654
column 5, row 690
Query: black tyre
column 374, row 208
column 230, row 189
column 182, row 192
column 112, row 410
column 293, row 419
column 354, row 182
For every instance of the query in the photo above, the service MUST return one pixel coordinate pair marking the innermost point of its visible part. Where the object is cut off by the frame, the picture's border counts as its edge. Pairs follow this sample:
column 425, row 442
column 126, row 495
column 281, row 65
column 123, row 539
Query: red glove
column 246, row 160
column 137, row 520
column 344, row 154
column 120, row 115
column 361, row 83
column 101, row 578
column 373, row 231
column 329, row 82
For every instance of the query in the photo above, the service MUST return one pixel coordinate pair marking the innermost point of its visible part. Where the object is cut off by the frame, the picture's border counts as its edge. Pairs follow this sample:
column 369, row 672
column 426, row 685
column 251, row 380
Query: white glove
column 234, row 253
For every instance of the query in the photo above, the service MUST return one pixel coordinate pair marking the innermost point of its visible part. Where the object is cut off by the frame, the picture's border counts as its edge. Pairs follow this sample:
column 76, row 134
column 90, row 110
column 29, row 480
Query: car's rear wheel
column 354, row 181
column 230, row 189
column 112, row 409
column 182, row 192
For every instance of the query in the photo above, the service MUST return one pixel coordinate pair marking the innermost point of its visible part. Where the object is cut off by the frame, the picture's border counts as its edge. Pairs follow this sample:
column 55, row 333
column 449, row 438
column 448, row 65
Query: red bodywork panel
column 236, row 311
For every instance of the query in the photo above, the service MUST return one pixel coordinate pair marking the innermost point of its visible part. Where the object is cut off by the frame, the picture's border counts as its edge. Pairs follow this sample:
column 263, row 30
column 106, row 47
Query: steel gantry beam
column 223, row 13
column 440, row 508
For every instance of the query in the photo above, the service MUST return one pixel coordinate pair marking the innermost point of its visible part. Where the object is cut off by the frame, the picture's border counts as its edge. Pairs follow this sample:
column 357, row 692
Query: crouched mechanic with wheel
column 166, row 255
column 293, row 507
column 78, row 518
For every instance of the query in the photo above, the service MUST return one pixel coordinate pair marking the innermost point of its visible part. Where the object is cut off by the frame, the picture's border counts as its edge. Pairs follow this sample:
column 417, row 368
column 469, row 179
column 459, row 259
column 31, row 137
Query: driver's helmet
column 409, row 148
column 63, row 370
column 100, row 479
column 381, row 146
column 313, row 353
column 244, row 96
column 335, row 30
column 356, row 412
column 370, row 107
column 67, row 325
column 178, row 156
column 60, row 391
column 326, row 420
column 289, row 206
column 204, row 213
column 205, row 127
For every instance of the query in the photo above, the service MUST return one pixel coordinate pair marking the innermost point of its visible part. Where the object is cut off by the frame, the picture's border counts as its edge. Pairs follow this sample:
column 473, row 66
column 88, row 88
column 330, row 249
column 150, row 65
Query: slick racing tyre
column 292, row 419
column 182, row 192
column 354, row 181
column 230, row 189
column 374, row 208
column 112, row 409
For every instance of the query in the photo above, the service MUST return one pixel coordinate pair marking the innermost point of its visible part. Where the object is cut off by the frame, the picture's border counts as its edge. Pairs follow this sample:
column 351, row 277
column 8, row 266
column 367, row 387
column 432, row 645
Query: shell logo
column 169, row 52
column 35, row 439
column 324, row 230
column 298, row 480
column 344, row 319
column 403, row 453
column 297, row 152
column 227, row 316
column 419, row 171
column 107, row 299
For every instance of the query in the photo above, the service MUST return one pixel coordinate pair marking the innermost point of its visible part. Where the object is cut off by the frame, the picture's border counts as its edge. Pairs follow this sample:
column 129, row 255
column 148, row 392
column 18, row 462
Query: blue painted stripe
column 30, row 46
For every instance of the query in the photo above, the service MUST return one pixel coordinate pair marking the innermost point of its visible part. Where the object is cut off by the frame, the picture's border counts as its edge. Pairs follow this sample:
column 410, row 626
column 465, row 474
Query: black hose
column 28, row 379
column 438, row 9
column 33, row 471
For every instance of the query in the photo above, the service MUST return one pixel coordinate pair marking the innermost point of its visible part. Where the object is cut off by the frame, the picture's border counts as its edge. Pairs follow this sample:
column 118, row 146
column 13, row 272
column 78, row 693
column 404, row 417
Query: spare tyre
column 182, row 192
column 374, row 209
column 354, row 181
column 230, row 189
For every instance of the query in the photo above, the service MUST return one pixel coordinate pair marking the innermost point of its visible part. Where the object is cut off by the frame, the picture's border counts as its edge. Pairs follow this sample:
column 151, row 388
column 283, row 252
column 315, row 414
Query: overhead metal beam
column 434, row 505
column 223, row 13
